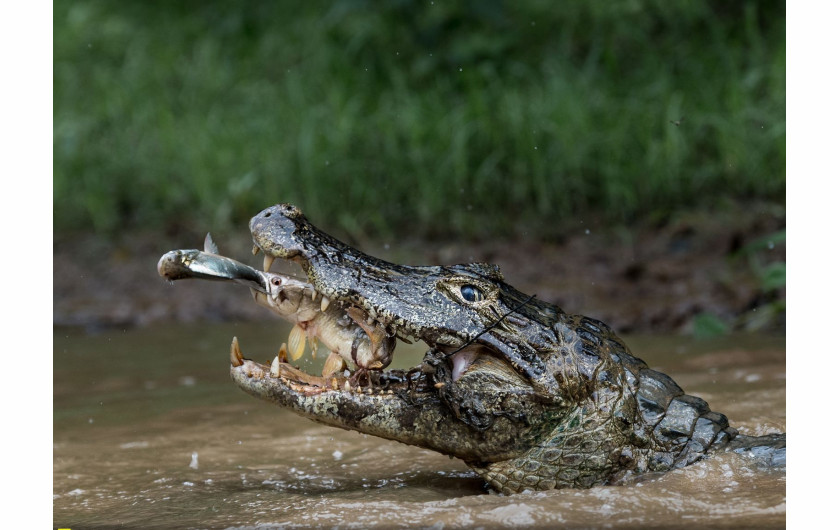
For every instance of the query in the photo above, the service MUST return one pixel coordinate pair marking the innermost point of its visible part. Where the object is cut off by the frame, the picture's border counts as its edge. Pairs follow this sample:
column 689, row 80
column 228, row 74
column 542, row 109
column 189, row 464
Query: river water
column 149, row 432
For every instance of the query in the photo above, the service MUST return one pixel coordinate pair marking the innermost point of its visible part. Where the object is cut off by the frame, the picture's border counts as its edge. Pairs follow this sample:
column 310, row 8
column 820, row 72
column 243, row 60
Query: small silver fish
column 209, row 265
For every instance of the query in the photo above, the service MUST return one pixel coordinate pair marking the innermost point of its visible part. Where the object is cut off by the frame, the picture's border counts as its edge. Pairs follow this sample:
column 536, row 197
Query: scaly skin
column 538, row 399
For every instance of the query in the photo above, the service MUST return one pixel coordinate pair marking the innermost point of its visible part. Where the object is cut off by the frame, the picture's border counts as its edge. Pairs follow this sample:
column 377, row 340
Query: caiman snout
column 277, row 227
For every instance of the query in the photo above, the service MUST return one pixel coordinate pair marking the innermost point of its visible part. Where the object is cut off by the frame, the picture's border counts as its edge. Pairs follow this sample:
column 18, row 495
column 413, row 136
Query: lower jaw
column 378, row 382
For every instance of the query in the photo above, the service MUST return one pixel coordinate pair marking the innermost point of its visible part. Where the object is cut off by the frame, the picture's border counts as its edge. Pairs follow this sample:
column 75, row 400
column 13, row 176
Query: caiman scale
column 530, row 397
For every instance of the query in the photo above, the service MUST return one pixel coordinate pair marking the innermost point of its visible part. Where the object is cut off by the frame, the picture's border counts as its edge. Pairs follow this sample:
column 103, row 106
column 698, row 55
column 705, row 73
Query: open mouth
column 380, row 383
column 360, row 343
column 359, row 346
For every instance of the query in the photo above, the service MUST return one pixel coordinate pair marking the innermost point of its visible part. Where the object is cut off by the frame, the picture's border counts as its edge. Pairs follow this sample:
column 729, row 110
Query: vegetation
column 472, row 117
column 770, row 275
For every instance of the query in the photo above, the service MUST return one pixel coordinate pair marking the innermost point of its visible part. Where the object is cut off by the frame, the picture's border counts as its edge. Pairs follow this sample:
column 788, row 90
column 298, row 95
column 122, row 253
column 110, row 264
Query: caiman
column 528, row 396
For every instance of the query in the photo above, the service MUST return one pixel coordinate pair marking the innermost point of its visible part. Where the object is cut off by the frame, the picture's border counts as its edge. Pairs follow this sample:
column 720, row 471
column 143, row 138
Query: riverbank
column 701, row 272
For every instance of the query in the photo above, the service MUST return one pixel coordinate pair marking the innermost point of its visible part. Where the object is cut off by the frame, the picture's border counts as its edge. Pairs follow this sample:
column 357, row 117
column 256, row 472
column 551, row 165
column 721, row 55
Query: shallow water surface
column 149, row 432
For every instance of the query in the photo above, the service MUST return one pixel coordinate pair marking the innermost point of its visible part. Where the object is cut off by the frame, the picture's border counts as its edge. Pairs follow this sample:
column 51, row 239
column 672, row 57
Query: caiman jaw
column 319, row 319
column 282, row 232
column 447, row 308
column 294, row 379
column 407, row 406
column 444, row 306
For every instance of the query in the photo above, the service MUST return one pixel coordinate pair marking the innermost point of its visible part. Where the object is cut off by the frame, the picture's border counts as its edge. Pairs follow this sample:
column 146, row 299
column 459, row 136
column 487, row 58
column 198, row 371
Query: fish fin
column 209, row 245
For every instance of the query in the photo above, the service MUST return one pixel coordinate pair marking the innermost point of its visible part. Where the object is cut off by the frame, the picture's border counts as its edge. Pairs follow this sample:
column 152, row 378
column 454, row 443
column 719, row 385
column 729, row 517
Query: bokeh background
column 526, row 127
column 624, row 159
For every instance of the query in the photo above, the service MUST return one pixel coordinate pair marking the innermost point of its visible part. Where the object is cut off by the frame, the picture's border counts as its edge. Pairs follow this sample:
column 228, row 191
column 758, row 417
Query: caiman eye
column 471, row 293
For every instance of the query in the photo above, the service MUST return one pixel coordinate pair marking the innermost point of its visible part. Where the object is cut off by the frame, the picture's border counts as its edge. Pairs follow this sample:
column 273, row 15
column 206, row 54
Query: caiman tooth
column 255, row 250
column 275, row 367
column 283, row 353
column 267, row 261
column 314, row 295
column 347, row 386
column 235, row 353
column 297, row 342
column 325, row 303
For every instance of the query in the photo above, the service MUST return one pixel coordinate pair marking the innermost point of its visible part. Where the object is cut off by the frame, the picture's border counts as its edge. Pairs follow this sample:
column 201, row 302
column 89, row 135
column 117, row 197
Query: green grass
column 383, row 117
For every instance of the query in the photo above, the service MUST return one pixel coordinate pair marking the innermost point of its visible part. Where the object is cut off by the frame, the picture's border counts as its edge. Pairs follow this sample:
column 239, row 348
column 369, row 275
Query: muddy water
column 149, row 432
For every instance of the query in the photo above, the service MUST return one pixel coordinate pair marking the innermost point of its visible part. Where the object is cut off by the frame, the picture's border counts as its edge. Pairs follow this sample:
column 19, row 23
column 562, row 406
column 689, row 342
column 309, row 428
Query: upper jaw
column 354, row 279
column 334, row 270
column 281, row 231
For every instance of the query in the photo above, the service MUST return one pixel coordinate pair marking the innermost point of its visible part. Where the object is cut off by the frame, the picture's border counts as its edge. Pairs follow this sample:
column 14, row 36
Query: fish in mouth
column 528, row 396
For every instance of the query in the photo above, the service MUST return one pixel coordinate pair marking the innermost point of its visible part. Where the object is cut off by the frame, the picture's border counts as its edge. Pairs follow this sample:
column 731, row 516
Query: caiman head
column 526, row 395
